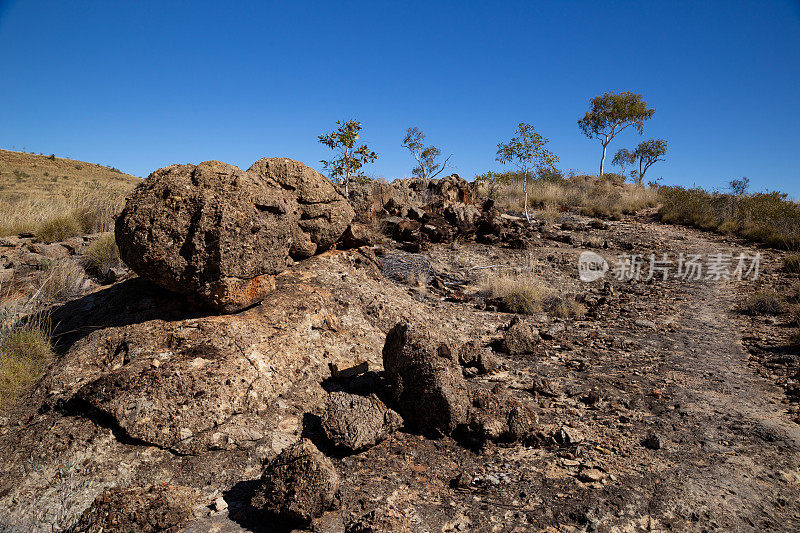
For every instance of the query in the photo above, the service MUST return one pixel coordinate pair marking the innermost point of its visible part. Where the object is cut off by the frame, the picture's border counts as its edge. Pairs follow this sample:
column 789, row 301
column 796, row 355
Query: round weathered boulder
column 298, row 486
column 324, row 213
column 220, row 234
column 355, row 423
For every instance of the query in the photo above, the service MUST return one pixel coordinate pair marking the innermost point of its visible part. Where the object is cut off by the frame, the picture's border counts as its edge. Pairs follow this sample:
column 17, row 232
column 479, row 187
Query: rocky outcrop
column 355, row 423
column 498, row 416
column 298, row 486
column 220, row 234
column 423, row 379
column 158, row 508
column 520, row 337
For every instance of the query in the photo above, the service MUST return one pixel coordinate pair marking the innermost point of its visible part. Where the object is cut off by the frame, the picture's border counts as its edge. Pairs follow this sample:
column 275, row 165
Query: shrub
column 59, row 229
column 791, row 263
column 763, row 303
column 51, row 157
column 527, row 295
column 25, row 350
column 103, row 254
column 60, row 280
column 766, row 217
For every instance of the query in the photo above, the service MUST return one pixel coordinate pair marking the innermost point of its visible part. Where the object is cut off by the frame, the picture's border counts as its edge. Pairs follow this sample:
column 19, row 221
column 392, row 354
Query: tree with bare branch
column 427, row 157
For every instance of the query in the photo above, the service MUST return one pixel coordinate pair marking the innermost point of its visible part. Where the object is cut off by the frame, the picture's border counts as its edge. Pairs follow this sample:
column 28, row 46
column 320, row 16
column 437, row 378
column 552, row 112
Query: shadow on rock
column 129, row 302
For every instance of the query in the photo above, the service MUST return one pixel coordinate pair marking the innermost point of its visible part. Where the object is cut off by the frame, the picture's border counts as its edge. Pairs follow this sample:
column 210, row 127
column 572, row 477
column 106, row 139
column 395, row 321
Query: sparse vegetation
column 525, row 294
column 763, row 303
column 612, row 113
column 427, row 157
column 767, row 217
column 103, row 254
column 350, row 159
column 25, row 350
column 526, row 150
column 58, row 281
column 791, row 263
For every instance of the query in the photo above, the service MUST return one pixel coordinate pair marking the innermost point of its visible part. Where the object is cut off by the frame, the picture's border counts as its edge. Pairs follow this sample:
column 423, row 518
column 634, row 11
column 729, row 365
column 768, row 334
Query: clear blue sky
column 140, row 85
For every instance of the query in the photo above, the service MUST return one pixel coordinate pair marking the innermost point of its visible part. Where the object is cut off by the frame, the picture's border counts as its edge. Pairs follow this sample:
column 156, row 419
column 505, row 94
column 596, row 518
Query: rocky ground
column 663, row 408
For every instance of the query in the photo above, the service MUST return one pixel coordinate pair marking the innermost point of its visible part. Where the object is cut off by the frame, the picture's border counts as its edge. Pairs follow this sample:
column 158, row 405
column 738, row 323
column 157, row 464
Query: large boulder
column 298, row 486
column 424, row 379
column 220, row 234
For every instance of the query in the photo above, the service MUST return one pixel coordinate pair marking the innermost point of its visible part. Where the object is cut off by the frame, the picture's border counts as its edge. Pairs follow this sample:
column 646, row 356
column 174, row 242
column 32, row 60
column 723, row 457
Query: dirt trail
column 741, row 461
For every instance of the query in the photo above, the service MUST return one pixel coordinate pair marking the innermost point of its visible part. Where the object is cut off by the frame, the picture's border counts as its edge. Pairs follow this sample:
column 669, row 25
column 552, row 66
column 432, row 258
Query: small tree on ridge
column 610, row 114
column 351, row 159
column 526, row 150
column 426, row 156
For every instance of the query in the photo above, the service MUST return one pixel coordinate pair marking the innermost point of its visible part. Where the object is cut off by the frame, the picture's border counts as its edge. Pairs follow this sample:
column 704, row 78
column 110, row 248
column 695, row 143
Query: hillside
column 25, row 176
column 57, row 198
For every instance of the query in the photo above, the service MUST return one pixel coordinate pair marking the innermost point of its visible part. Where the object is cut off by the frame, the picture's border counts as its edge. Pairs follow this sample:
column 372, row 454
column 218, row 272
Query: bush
column 59, row 229
column 791, row 263
column 763, row 303
column 766, row 217
column 59, row 281
column 527, row 295
column 25, row 350
column 103, row 254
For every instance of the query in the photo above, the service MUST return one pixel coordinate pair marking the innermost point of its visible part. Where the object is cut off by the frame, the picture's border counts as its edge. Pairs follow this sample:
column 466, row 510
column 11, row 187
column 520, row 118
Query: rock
column 591, row 475
column 220, row 504
column 356, row 423
column 380, row 520
column 219, row 234
column 324, row 213
column 642, row 323
column 652, row 441
column 567, row 436
column 498, row 416
column 520, row 337
column 159, row 508
column 425, row 384
column 472, row 355
column 462, row 215
column 357, row 235
column 298, row 485
column 554, row 331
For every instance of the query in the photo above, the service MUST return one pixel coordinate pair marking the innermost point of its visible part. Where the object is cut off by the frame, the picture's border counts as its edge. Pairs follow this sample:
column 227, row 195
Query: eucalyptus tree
column 427, row 157
column 526, row 150
column 350, row 158
column 611, row 113
column 646, row 154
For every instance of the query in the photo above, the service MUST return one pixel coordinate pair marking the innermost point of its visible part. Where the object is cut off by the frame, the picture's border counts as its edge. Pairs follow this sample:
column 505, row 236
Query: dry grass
column 791, row 263
column 25, row 351
column 59, row 281
column 528, row 295
column 592, row 196
column 103, row 254
column 766, row 302
column 767, row 217
column 56, row 199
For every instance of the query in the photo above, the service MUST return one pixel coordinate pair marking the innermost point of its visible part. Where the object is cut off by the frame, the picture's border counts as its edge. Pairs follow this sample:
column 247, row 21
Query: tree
column 351, row 159
column 647, row 154
column 426, row 156
column 612, row 113
column 526, row 150
column 739, row 186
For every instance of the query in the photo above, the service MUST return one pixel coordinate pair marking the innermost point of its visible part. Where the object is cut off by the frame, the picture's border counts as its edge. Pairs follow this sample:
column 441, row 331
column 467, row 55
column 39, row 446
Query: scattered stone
column 298, row 485
column 591, row 475
column 425, row 384
column 158, row 508
column 220, row 504
column 652, row 441
column 473, row 355
column 498, row 416
column 519, row 337
column 642, row 323
column 554, row 331
column 356, row 423
column 567, row 436
column 380, row 520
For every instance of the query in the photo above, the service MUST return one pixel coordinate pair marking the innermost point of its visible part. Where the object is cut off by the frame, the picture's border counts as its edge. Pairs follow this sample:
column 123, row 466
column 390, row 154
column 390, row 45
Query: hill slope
column 26, row 176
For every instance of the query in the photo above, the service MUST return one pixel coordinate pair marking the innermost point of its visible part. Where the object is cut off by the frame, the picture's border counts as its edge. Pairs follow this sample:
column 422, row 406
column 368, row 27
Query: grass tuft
column 527, row 295
column 763, row 303
column 103, row 254
column 25, row 351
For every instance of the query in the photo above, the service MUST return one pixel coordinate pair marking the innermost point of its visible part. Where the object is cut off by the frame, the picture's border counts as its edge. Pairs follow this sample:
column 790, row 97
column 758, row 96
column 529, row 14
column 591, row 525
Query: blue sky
column 140, row 85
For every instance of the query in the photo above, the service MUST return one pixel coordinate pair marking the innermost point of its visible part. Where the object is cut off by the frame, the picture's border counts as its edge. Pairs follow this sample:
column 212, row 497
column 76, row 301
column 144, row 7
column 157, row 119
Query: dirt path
column 741, row 457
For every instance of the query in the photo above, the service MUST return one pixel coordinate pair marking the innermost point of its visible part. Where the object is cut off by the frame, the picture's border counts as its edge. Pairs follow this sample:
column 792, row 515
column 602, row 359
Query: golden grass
column 25, row 351
column 56, row 199
column 528, row 295
column 766, row 302
column 791, row 263
column 60, row 280
column 102, row 255
column 592, row 196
